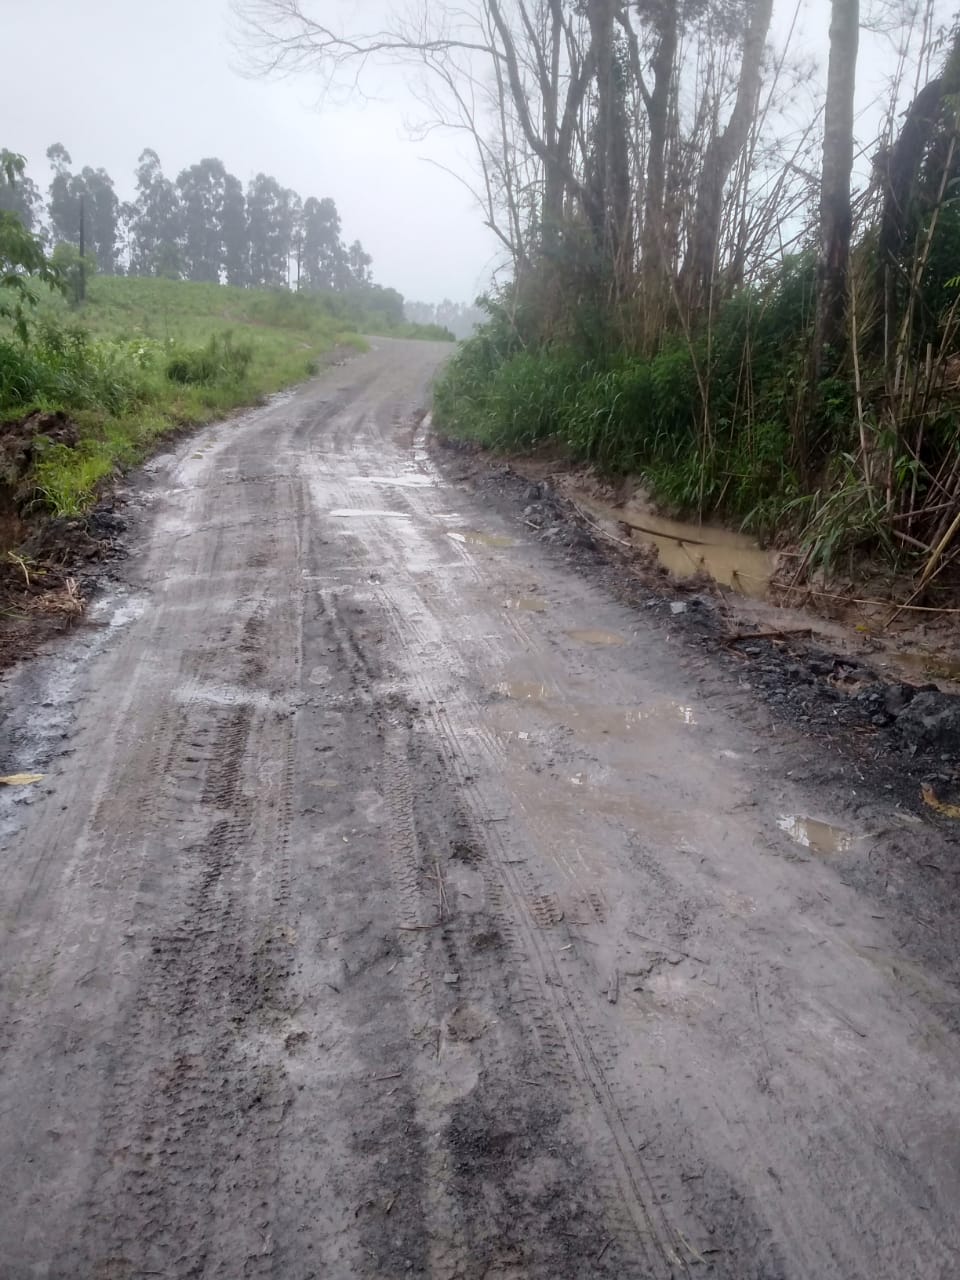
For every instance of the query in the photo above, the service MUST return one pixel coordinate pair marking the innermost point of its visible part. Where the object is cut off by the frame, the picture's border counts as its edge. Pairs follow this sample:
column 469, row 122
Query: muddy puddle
column 596, row 637
column 593, row 719
column 523, row 690
column 526, row 604
column 471, row 537
column 601, row 719
column 368, row 513
column 819, row 837
column 731, row 559
column 404, row 480
column 932, row 666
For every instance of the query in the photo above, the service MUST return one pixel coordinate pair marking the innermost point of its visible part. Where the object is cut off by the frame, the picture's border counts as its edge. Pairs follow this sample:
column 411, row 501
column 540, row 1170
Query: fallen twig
column 442, row 901
column 666, row 946
column 621, row 542
column 767, row 635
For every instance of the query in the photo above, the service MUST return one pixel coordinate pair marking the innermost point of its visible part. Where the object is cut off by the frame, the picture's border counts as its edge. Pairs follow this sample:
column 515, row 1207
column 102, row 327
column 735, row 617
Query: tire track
column 568, row 1037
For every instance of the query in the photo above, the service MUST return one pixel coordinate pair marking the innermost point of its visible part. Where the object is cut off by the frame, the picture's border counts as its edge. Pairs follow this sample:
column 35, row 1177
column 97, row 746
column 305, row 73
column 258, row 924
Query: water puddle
column 596, row 637
column 369, row 512
column 475, row 539
column 526, row 604
column 592, row 719
column 731, row 559
column 127, row 612
column 407, row 480
column 117, row 611
column 818, row 837
column 523, row 690
column 936, row 666
column 671, row 711
column 620, row 719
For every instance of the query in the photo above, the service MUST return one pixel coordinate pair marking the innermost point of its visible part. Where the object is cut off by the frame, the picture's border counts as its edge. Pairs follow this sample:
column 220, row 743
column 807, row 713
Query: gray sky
column 118, row 76
column 121, row 75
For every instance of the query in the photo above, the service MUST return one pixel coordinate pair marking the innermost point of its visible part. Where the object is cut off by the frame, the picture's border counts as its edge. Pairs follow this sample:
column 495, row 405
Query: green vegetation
column 721, row 419
column 706, row 420
column 142, row 357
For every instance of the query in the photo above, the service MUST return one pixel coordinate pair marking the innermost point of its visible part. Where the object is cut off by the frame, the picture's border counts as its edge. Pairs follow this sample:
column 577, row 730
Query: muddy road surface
column 397, row 903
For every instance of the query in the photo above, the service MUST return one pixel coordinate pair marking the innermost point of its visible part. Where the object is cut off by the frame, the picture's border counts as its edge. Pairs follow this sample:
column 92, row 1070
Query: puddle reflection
column 342, row 512
column 593, row 636
column 522, row 690
column 585, row 718
column 473, row 538
column 406, row 480
column 686, row 549
column 612, row 719
column 818, row 837
column 936, row 666
column 527, row 604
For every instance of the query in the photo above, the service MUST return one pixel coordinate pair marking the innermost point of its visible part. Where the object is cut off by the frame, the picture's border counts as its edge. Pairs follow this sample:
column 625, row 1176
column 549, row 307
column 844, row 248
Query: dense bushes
column 220, row 360
column 705, row 419
column 66, row 368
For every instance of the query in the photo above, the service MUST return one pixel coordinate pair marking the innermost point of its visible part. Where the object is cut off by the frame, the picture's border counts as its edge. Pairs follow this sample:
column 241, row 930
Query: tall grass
column 705, row 420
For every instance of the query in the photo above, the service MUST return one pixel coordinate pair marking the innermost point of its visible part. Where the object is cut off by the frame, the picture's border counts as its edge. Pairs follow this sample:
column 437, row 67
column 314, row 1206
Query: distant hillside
column 121, row 306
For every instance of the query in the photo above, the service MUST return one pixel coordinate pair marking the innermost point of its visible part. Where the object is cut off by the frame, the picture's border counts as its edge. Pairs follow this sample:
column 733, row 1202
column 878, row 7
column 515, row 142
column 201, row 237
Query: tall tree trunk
column 721, row 154
column 552, row 144
column 833, row 264
column 610, row 188
column 654, row 241
column 901, row 169
column 551, row 218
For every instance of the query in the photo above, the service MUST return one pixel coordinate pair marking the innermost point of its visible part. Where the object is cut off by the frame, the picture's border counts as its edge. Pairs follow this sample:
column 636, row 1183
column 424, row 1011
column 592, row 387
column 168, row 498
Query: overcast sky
column 110, row 77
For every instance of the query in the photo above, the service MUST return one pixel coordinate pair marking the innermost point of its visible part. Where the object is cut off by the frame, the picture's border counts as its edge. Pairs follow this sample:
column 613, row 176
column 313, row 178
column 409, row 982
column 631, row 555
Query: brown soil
column 45, row 563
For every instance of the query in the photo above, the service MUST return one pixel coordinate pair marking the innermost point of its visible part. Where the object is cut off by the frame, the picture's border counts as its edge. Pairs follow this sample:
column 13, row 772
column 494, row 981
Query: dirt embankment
column 49, row 564
column 826, row 679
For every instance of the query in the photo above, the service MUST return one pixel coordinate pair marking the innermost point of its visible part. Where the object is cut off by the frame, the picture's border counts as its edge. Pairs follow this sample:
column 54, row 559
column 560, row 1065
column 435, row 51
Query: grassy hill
column 142, row 357
column 118, row 306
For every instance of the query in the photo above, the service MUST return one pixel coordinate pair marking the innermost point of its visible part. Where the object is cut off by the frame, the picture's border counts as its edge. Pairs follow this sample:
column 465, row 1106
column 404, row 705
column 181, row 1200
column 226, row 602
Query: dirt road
column 395, row 903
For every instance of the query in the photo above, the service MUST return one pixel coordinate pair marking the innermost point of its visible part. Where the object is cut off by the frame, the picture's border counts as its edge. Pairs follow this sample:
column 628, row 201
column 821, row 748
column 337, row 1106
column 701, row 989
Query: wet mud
column 367, row 921
column 688, row 550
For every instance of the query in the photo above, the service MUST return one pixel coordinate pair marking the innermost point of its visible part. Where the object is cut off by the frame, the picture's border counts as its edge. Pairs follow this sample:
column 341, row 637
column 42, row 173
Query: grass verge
column 144, row 357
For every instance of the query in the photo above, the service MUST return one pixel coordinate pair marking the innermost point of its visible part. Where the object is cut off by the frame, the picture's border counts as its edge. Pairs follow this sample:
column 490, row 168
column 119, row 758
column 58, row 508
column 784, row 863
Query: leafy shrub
column 66, row 368
column 66, row 477
column 706, row 420
column 219, row 360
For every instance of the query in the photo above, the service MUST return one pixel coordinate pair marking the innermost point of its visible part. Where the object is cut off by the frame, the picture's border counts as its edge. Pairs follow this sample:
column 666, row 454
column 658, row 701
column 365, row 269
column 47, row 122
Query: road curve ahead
column 399, row 904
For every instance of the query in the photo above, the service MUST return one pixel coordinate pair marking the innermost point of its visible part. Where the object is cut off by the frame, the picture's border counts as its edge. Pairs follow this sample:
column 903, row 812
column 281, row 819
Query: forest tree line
column 203, row 225
column 459, row 318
